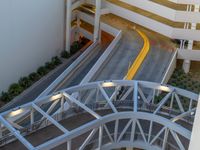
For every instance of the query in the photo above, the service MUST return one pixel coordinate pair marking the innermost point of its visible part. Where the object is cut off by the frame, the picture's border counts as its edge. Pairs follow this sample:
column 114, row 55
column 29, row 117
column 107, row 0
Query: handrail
column 68, row 70
column 102, row 59
column 140, row 58
column 170, row 69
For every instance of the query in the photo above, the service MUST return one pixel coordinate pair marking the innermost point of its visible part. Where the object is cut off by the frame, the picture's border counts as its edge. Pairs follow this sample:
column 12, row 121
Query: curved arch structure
column 115, row 114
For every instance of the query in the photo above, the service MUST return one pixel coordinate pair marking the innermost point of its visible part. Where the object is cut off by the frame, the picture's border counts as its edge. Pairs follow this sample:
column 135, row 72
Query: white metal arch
column 132, row 100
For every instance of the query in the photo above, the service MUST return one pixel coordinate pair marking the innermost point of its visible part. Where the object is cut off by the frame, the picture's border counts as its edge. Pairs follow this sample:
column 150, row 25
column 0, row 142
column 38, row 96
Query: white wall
column 31, row 32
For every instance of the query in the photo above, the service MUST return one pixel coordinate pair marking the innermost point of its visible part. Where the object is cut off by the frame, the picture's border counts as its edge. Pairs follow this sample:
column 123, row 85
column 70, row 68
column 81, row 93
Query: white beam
column 107, row 99
column 135, row 96
column 17, row 134
column 187, row 113
column 127, row 93
column 142, row 95
column 64, row 130
column 108, row 133
column 72, row 99
column 51, row 107
column 124, row 130
column 141, row 130
column 69, row 145
column 133, row 130
column 179, row 103
column 100, row 137
column 178, row 141
column 87, row 140
column 116, row 130
column 32, row 116
column 157, row 135
column 162, row 102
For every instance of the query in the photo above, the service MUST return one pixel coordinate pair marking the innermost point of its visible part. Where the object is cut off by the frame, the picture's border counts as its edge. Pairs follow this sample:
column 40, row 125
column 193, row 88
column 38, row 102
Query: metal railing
column 74, row 111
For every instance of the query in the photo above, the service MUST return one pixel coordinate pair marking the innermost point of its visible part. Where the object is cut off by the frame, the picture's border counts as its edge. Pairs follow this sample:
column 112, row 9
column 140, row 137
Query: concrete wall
column 193, row 55
column 31, row 32
column 166, row 12
column 164, row 29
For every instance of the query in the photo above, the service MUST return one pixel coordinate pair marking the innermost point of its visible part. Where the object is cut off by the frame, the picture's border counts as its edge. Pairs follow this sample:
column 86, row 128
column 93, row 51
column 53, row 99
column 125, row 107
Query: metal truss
column 137, row 114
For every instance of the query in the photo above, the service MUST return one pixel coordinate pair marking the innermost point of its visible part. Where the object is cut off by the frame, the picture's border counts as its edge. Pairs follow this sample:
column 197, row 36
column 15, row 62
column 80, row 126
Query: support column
column 135, row 97
column 69, row 145
column 32, row 116
column 68, row 25
column 97, row 21
column 62, row 105
column 186, row 65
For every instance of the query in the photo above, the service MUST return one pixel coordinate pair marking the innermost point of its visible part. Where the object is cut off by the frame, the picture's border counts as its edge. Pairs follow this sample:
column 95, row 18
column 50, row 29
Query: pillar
column 68, row 25
column 97, row 21
column 32, row 118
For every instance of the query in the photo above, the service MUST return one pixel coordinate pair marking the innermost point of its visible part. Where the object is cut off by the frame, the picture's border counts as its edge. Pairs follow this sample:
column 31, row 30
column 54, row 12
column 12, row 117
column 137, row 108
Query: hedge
column 25, row 82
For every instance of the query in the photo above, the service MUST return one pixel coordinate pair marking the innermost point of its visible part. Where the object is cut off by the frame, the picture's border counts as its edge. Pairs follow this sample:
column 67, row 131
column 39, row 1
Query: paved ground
column 123, row 56
column 156, row 62
column 158, row 58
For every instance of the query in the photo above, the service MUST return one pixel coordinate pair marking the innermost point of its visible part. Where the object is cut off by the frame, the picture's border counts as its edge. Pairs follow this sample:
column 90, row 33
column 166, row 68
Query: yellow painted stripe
column 140, row 58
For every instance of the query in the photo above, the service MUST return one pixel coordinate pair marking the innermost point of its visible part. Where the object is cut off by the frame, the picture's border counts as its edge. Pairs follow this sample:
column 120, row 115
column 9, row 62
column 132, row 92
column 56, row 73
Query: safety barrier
column 140, row 58
column 149, row 112
column 68, row 70
column 189, row 54
column 124, row 105
column 159, row 27
column 170, row 69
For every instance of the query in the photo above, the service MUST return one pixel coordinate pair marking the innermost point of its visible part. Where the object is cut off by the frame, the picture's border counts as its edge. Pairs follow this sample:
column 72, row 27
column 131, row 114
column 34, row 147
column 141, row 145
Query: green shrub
column 34, row 77
column 5, row 97
column 14, row 90
column 56, row 61
column 174, row 84
column 65, row 54
column 49, row 66
column 74, row 47
column 42, row 71
column 25, row 82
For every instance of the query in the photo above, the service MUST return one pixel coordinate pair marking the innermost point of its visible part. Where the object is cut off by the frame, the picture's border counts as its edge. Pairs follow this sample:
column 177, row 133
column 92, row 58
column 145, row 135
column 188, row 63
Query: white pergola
column 134, row 101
